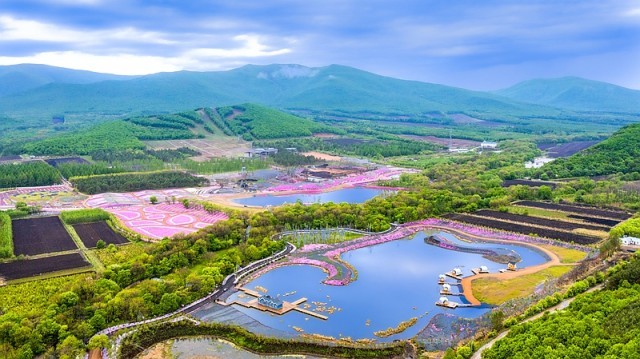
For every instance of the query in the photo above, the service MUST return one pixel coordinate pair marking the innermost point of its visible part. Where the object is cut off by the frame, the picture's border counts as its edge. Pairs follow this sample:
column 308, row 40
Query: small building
column 489, row 145
column 57, row 119
column 270, row 302
column 291, row 149
column 630, row 241
column 261, row 152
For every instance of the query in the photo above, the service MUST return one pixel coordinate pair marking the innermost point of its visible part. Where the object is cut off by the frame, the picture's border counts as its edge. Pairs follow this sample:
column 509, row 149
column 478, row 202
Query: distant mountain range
column 39, row 89
column 576, row 94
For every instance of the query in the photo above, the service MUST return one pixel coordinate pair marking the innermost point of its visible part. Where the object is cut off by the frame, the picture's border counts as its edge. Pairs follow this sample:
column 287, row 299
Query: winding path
column 565, row 303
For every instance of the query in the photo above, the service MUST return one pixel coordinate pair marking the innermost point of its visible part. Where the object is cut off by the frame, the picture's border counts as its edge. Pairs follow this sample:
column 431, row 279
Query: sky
column 481, row 45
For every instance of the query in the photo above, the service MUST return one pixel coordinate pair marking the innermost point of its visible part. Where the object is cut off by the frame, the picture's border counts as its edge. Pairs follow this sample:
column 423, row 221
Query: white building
column 630, row 241
column 488, row 145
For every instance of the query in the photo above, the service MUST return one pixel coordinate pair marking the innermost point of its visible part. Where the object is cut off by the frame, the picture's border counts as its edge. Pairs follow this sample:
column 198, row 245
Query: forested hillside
column 603, row 324
column 618, row 154
column 258, row 122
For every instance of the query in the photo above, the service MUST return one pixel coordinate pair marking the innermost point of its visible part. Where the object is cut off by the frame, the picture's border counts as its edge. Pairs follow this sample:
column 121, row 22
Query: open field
column 497, row 291
column 556, row 150
column 91, row 233
column 576, row 209
column 32, row 267
column 523, row 229
column 454, row 142
column 40, row 235
column 538, row 221
column 165, row 220
column 566, row 255
column 538, row 212
column 213, row 146
column 45, row 196
column 63, row 160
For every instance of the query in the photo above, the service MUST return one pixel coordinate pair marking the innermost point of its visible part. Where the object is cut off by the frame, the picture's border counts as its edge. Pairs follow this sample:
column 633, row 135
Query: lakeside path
column 466, row 282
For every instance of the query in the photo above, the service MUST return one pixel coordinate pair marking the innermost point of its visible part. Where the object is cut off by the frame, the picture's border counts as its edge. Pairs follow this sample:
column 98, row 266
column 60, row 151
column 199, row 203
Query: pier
column 286, row 306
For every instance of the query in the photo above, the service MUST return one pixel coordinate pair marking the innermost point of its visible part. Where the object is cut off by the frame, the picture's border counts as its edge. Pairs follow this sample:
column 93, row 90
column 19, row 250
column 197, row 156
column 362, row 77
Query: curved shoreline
column 334, row 277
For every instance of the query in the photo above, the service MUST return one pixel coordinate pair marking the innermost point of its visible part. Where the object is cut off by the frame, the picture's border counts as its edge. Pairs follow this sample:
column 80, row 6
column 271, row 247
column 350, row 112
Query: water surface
column 396, row 281
column 349, row 195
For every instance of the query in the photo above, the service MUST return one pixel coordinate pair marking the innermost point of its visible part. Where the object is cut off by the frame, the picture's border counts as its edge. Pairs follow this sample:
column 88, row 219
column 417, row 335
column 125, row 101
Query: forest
column 34, row 173
column 127, row 182
column 620, row 153
column 602, row 324
column 257, row 122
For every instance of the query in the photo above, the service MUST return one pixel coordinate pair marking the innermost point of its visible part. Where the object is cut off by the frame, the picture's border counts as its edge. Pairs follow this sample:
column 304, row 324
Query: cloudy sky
column 475, row 44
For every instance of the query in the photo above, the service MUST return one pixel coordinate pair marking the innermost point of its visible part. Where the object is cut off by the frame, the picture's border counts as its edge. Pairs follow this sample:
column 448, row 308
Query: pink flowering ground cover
column 384, row 173
column 340, row 273
column 165, row 220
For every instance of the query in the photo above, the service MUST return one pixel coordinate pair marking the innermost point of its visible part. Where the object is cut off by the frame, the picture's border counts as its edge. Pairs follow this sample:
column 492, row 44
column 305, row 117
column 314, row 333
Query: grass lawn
column 539, row 212
column 566, row 255
column 121, row 254
column 496, row 291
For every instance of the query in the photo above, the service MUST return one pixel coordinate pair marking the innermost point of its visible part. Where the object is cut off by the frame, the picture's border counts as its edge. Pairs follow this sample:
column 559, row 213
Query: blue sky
column 486, row 44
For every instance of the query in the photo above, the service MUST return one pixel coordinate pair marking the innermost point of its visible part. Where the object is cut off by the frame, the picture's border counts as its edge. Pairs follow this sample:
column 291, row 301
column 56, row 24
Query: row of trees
column 6, row 236
column 126, row 182
column 35, row 173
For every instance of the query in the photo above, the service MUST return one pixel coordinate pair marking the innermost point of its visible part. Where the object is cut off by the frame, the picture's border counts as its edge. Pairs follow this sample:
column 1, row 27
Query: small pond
column 396, row 281
column 349, row 195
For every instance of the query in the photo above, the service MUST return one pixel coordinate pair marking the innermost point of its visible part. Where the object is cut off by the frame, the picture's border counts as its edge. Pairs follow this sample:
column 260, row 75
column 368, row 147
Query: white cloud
column 251, row 48
column 12, row 29
column 121, row 64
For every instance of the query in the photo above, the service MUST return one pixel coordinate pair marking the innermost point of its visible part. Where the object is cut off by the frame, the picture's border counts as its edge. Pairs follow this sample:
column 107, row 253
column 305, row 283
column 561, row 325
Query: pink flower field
column 384, row 173
column 165, row 220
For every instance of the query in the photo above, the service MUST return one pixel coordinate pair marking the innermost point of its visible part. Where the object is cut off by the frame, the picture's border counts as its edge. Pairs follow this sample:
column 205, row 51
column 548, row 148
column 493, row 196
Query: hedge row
column 84, row 216
column 149, row 335
column 6, row 236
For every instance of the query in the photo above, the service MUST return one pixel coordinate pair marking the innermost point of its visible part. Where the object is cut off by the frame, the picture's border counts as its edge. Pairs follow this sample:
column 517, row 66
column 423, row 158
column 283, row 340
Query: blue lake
column 396, row 281
column 349, row 195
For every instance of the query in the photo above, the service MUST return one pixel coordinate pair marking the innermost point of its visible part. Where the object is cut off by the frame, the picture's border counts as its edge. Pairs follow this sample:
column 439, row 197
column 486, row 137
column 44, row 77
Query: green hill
column 284, row 86
column 258, row 122
column 575, row 93
column 620, row 153
column 15, row 79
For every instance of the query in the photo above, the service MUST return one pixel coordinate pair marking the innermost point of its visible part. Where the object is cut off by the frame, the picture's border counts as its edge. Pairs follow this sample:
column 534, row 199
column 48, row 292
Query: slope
column 286, row 86
column 575, row 93
column 15, row 79
column 620, row 153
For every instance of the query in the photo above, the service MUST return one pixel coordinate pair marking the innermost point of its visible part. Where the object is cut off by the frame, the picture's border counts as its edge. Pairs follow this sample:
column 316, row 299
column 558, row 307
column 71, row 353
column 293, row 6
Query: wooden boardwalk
column 286, row 306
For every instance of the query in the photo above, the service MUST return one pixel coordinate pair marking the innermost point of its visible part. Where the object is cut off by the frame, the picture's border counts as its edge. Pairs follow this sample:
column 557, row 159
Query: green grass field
column 495, row 291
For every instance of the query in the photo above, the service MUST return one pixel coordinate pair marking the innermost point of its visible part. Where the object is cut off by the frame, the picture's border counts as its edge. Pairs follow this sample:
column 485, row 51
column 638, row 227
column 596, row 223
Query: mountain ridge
column 575, row 93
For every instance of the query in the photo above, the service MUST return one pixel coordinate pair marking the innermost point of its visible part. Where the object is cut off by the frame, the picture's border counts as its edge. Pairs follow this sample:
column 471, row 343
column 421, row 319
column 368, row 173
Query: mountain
column 576, row 94
column 619, row 153
column 15, row 79
column 285, row 86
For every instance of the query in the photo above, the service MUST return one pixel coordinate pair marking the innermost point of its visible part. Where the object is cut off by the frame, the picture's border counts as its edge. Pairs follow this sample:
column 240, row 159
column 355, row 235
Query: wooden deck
column 286, row 306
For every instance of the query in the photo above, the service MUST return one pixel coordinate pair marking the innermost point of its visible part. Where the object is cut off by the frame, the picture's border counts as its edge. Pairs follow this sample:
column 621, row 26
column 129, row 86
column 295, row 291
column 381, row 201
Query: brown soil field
column 209, row 147
column 40, row 235
column 322, row 156
column 556, row 150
